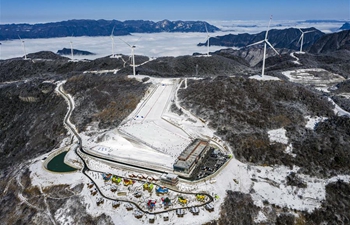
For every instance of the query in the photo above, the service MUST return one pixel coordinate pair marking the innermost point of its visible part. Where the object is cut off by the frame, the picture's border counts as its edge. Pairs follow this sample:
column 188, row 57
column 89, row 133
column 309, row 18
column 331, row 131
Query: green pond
column 57, row 164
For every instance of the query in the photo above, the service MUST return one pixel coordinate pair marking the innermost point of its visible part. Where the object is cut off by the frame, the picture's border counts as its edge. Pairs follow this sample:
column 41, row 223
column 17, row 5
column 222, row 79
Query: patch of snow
column 320, row 78
column 265, row 77
column 62, row 215
column 312, row 121
column 344, row 178
column 289, row 150
column 338, row 110
column 278, row 135
column 260, row 217
column 271, row 186
column 296, row 59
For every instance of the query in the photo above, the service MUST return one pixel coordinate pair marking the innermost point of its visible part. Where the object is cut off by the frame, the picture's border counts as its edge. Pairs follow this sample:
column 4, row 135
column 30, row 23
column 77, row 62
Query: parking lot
column 212, row 162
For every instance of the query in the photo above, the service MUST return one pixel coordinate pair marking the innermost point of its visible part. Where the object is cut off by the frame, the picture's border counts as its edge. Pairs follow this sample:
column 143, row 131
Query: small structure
column 90, row 185
column 200, row 197
column 114, row 188
column 151, row 204
column 132, row 175
column 93, row 192
column 138, row 194
column 153, row 178
column 209, row 207
column 99, row 201
column 138, row 214
column 182, row 200
column 180, row 212
column 115, row 204
column 166, row 216
column 129, row 206
column 116, row 179
column 148, row 187
column 151, row 218
column 166, row 202
column 128, row 182
column 106, row 177
column 194, row 210
column 169, row 178
column 162, row 190
column 122, row 193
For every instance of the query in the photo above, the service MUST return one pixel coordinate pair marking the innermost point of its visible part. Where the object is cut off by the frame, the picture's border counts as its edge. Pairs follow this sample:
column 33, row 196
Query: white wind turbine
column 71, row 50
column 208, row 37
column 132, row 55
column 112, row 38
column 266, row 42
column 301, row 39
column 24, row 48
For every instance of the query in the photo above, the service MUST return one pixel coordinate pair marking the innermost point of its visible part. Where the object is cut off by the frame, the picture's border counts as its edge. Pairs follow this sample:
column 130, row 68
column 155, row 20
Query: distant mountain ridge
column 67, row 51
column 286, row 38
column 346, row 26
column 332, row 42
column 99, row 28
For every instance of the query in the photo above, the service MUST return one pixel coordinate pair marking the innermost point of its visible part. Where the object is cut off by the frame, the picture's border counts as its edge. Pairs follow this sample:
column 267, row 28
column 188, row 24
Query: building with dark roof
column 191, row 156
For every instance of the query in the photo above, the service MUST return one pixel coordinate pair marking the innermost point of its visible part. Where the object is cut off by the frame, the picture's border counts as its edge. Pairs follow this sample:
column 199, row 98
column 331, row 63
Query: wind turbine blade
column 19, row 37
column 126, row 43
column 112, row 33
column 206, row 28
column 301, row 30
column 268, row 27
column 138, row 39
column 300, row 38
column 273, row 48
column 256, row 43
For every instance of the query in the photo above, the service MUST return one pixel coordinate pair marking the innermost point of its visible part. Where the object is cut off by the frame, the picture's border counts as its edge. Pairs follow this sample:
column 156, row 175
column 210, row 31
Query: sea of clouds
column 153, row 44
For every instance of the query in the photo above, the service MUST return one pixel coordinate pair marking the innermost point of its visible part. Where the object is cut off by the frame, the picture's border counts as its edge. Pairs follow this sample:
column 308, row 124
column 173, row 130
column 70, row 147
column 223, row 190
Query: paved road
column 71, row 127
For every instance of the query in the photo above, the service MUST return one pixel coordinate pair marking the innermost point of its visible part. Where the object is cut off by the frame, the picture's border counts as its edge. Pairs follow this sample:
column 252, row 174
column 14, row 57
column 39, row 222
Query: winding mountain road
column 85, row 169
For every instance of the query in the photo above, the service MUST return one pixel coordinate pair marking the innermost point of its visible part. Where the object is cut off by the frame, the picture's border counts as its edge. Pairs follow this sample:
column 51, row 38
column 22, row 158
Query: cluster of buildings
column 191, row 157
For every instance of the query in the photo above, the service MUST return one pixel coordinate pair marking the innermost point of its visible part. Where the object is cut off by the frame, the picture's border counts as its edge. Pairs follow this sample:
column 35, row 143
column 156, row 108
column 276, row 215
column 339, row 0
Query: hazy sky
column 36, row 11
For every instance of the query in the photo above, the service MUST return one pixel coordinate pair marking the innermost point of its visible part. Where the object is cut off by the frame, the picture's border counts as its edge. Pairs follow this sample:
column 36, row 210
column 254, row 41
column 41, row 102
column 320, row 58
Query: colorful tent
column 128, row 182
column 200, row 198
column 106, row 177
column 182, row 200
column 116, row 179
column 162, row 190
column 148, row 186
column 166, row 202
column 151, row 204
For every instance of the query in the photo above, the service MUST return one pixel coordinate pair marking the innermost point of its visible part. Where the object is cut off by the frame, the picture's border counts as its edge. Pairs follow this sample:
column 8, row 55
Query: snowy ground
column 265, row 183
column 338, row 110
column 148, row 125
column 265, row 77
column 151, row 133
column 312, row 121
column 320, row 78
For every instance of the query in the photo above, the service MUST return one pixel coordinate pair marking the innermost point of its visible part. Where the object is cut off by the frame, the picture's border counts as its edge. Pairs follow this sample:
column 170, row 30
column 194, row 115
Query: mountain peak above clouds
column 99, row 28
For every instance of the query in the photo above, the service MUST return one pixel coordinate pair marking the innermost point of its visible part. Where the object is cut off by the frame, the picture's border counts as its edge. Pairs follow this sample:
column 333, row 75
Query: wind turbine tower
column 132, row 55
column 24, row 48
column 266, row 42
column 112, row 38
column 301, row 39
column 208, row 37
column 71, row 50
